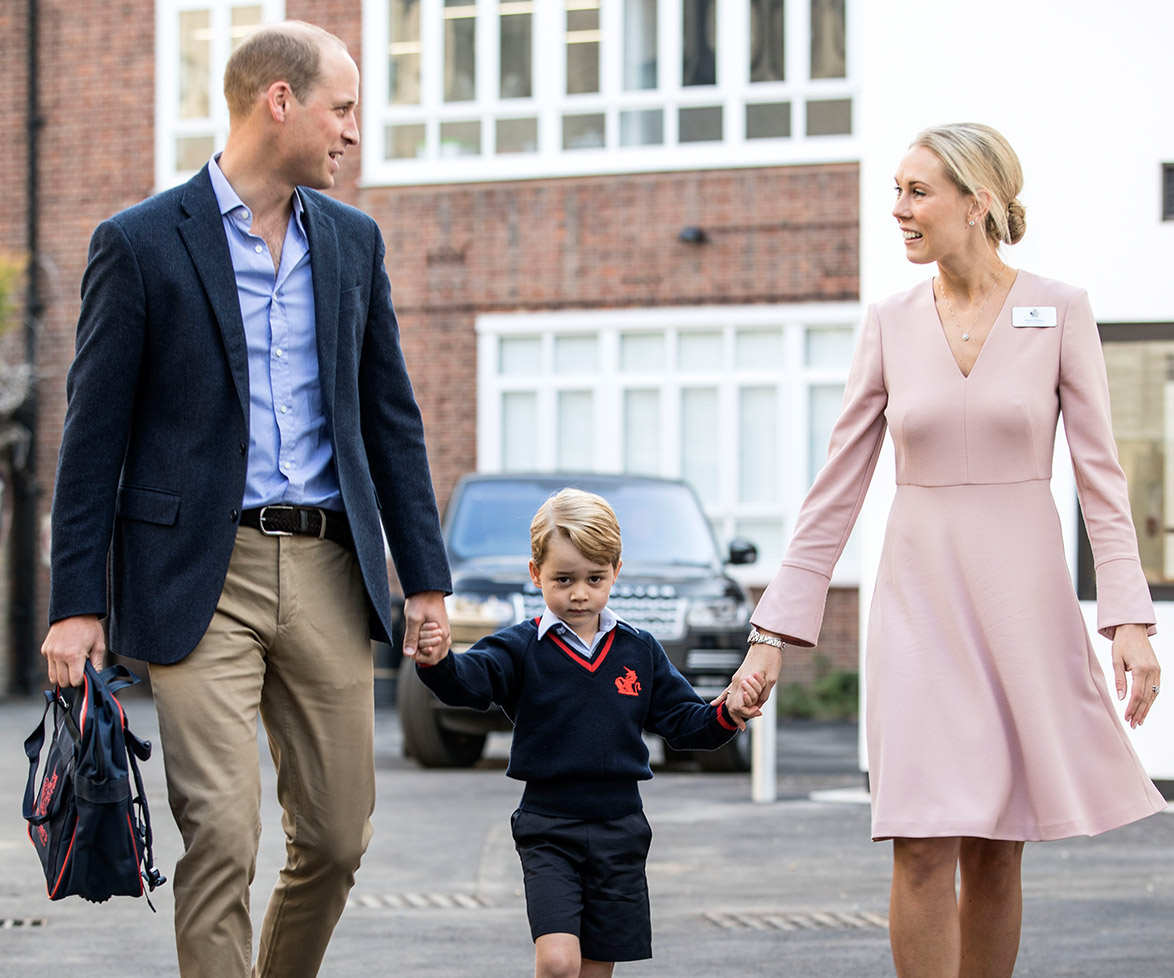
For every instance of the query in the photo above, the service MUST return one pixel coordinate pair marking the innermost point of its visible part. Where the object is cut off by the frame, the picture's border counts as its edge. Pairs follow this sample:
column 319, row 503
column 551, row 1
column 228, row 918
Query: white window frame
column 168, row 126
column 793, row 379
column 733, row 92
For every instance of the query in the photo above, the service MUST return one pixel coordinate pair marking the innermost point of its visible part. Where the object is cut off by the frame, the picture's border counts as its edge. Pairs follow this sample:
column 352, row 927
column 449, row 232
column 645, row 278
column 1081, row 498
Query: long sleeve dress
column 987, row 712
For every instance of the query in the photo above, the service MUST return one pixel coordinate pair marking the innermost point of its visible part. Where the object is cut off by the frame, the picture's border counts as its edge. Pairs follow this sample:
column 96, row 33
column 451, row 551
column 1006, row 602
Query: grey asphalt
column 793, row 888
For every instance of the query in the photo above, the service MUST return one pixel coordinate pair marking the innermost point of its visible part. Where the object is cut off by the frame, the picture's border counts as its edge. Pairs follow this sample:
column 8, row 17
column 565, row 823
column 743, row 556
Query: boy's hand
column 431, row 645
column 742, row 703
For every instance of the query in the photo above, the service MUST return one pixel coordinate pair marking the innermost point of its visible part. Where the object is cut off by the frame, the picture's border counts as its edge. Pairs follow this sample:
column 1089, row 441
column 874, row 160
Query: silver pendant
column 965, row 336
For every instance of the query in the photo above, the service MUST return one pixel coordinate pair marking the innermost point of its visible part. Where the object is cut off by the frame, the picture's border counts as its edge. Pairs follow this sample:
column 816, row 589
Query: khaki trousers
column 290, row 638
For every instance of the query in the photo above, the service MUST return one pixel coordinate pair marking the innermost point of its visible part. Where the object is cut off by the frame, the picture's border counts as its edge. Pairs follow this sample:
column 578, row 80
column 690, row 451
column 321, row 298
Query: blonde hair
column 978, row 157
column 583, row 518
column 290, row 52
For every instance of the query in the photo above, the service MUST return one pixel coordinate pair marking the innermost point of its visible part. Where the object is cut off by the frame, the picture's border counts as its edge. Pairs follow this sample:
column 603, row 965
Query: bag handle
column 32, row 750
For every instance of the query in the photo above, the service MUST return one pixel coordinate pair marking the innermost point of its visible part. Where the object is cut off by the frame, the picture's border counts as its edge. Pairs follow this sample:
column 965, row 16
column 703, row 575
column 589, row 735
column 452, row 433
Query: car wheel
column 424, row 738
column 733, row 757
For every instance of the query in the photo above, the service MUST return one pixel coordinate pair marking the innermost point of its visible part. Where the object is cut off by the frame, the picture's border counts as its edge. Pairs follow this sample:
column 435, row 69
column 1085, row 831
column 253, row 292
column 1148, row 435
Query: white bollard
column 763, row 763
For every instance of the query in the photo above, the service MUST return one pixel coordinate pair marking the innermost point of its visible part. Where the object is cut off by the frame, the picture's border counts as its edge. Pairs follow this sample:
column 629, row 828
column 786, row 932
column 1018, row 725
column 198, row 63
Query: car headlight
column 473, row 616
column 716, row 613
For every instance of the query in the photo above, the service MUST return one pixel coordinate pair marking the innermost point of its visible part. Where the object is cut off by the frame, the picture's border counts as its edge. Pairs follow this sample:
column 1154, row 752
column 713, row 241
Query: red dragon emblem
column 628, row 684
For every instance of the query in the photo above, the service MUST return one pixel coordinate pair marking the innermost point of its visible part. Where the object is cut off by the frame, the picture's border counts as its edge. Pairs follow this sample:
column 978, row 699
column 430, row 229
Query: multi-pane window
column 1140, row 364
column 490, row 89
column 195, row 40
column 738, row 402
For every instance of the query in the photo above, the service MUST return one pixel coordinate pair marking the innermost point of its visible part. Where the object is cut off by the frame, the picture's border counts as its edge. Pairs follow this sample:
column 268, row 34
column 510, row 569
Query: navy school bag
column 89, row 825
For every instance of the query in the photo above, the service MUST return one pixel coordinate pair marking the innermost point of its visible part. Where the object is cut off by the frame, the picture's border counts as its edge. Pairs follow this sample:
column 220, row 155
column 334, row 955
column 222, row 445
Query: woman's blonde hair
column 978, row 157
column 290, row 52
column 583, row 518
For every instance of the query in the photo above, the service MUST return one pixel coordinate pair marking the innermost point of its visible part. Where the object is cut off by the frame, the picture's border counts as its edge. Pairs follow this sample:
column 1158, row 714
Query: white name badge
column 1033, row 316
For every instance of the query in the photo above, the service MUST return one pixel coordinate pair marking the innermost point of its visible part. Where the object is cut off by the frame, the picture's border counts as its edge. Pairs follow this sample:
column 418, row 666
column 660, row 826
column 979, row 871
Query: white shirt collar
column 607, row 621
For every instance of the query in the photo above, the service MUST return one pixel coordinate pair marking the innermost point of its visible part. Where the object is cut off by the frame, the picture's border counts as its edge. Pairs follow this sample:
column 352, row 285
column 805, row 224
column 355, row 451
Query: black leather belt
column 280, row 520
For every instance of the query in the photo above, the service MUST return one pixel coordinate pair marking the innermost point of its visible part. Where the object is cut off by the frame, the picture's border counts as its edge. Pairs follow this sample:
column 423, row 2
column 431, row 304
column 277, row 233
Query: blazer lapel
column 203, row 234
column 324, row 269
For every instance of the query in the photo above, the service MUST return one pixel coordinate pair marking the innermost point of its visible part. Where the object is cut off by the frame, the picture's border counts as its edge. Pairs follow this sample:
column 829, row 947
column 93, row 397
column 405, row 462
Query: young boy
column 580, row 687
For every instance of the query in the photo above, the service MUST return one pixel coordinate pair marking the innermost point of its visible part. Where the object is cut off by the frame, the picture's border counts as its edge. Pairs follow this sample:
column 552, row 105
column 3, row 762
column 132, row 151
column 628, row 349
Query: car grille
column 664, row 617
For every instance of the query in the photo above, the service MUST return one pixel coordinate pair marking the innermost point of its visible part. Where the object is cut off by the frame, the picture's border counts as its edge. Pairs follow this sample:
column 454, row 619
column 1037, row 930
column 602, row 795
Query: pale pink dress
column 988, row 714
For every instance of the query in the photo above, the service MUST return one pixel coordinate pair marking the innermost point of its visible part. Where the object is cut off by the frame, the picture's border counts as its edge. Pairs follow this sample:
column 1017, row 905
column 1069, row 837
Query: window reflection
column 699, row 52
column 640, row 59
column 516, row 47
column 1141, row 389
column 244, row 19
column 828, row 56
column 766, row 40
column 195, row 52
column 582, row 46
column 404, row 53
column 460, row 47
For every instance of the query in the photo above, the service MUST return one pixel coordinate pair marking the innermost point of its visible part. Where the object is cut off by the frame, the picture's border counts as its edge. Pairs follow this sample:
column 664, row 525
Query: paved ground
column 793, row 888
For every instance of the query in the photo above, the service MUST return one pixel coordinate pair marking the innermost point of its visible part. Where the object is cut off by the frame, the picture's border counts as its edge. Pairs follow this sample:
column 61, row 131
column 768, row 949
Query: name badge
column 1033, row 316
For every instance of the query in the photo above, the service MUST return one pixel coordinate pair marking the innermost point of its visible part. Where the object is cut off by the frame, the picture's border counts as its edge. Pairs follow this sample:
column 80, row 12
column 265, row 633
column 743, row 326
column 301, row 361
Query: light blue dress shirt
column 290, row 458
column 607, row 621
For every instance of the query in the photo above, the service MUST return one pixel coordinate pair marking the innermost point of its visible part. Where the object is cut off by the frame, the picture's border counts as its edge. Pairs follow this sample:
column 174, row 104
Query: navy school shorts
column 587, row 878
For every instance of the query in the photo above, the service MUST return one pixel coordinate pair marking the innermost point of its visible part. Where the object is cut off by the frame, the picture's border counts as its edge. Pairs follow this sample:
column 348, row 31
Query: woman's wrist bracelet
column 757, row 638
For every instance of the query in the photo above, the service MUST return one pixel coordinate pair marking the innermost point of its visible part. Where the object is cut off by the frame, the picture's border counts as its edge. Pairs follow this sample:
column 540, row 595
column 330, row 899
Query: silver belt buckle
column 264, row 529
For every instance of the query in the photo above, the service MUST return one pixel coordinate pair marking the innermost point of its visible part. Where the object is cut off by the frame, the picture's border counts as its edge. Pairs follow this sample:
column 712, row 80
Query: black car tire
column 424, row 737
column 731, row 758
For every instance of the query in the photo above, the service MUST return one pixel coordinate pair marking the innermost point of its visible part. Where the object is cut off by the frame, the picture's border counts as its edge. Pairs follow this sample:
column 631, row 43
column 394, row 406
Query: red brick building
column 634, row 219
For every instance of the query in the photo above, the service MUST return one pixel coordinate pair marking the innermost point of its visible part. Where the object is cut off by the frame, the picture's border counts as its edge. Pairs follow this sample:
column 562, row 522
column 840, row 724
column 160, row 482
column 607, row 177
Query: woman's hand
column 1133, row 653
column 764, row 660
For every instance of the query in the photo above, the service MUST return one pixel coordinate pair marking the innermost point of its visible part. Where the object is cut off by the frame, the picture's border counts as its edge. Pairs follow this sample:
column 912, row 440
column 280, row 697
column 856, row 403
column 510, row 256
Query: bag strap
column 32, row 750
column 151, row 875
column 117, row 677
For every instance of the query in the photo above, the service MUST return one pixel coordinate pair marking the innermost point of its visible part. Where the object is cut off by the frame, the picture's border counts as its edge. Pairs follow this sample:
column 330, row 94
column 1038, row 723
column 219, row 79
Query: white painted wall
column 1083, row 90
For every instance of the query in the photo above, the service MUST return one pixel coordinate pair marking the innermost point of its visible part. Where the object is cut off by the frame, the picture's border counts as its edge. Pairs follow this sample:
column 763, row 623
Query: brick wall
column 782, row 234
column 13, row 96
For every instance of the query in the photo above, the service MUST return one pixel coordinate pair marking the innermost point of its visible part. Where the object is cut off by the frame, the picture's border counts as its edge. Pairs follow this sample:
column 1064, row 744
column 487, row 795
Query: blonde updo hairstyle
column 978, row 157
column 583, row 518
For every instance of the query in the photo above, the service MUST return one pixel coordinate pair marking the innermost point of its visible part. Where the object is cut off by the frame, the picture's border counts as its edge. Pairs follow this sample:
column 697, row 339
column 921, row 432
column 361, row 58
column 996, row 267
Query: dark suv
column 672, row 584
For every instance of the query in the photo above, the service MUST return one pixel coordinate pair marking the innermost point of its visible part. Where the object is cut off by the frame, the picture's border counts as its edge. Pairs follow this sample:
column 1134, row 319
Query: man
column 240, row 420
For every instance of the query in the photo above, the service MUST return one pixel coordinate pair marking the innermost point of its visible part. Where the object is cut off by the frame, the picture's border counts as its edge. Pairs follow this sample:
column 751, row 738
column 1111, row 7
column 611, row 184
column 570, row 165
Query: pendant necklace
column 946, row 298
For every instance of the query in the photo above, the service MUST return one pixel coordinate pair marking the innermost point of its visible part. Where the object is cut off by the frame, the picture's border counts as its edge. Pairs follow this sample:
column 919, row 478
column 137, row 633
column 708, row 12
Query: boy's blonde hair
column 583, row 518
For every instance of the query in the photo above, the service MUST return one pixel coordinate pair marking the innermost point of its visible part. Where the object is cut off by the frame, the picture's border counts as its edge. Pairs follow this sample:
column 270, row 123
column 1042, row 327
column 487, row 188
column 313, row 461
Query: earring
column 972, row 224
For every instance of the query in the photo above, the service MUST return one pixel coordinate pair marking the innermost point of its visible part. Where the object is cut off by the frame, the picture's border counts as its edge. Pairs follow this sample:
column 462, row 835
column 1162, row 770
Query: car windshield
column 661, row 522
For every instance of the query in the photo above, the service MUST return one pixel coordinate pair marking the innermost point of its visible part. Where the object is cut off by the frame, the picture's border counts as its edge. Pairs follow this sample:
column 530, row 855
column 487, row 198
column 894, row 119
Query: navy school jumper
column 578, row 721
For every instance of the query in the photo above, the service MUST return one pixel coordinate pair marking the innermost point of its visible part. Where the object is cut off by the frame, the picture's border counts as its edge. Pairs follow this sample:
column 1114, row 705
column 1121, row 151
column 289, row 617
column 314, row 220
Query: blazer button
column 243, row 449
column 234, row 515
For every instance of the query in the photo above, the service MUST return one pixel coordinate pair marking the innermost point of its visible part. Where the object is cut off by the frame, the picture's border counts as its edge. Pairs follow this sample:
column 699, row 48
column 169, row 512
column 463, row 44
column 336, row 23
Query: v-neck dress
column 987, row 712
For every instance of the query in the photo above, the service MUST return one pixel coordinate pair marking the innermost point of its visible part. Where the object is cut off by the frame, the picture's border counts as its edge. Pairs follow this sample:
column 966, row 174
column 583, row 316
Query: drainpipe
column 28, row 674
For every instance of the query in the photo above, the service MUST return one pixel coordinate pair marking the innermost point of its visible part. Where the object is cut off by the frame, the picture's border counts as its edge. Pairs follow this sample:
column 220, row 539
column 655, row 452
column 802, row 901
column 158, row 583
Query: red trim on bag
column 81, row 720
column 64, row 864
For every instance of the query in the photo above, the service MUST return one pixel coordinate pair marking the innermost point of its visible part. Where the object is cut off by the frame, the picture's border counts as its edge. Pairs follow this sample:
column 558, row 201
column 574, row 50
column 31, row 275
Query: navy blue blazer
column 151, row 472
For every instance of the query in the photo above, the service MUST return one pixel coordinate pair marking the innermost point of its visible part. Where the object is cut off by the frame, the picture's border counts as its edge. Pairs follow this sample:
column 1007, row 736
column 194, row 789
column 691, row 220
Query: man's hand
column 425, row 606
column 67, row 646
column 432, row 646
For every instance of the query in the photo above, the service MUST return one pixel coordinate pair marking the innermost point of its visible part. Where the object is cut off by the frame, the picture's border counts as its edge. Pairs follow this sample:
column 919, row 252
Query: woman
column 989, row 721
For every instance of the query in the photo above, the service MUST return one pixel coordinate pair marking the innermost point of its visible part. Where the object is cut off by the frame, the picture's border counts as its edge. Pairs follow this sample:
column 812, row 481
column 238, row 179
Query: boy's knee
column 557, row 956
